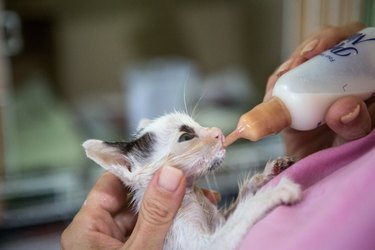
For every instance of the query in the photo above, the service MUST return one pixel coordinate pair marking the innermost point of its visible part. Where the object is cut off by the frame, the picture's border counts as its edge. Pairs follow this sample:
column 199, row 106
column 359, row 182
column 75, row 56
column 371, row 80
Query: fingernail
column 309, row 46
column 345, row 119
column 170, row 178
column 284, row 67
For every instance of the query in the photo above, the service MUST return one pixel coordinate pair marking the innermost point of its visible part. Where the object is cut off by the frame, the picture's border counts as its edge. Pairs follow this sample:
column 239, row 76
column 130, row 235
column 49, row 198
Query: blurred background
column 74, row 70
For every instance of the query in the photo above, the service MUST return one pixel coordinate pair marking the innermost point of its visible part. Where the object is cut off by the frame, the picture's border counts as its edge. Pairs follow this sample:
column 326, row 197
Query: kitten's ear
column 110, row 158
column 143, row 123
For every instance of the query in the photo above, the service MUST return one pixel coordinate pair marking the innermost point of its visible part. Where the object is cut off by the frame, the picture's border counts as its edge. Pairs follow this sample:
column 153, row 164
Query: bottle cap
column 264, row 119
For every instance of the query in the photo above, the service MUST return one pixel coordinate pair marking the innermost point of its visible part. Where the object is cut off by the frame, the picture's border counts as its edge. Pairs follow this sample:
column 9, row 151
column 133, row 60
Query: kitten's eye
column 186, row 137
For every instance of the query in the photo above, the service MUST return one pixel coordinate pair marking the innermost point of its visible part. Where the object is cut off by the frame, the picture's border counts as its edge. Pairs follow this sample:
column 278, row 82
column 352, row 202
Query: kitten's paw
column 272, row 168
column 277, row 166
column 288, row 192
column 252, row 185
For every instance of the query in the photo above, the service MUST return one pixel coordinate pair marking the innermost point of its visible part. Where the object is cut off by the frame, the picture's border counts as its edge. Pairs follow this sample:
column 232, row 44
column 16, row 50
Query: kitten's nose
column 216, row 133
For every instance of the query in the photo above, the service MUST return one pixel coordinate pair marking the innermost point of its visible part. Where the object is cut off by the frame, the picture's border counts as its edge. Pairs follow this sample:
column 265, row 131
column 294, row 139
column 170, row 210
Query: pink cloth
column 338, row 206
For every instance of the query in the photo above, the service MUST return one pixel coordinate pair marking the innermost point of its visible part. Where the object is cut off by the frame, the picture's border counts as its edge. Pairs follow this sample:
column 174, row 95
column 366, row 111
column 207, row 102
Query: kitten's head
column 174, row 139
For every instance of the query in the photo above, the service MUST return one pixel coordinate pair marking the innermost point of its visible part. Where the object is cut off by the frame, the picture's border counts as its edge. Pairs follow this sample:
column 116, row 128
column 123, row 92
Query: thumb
column 349, row 118
column 160, row 203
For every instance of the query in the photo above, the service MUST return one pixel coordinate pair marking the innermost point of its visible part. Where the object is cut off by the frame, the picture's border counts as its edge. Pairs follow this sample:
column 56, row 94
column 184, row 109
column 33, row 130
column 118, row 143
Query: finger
column 159, row 206
column 107, row 200
column 108, row 193
column 371, row 110
column 349, row 118
column 269, row 87
column 284, row 67
column 316, row 43
column 320, row 44
column 312, row 46
column 326, row 38
column 125, row 220
column 297, row 61
column 351, row 28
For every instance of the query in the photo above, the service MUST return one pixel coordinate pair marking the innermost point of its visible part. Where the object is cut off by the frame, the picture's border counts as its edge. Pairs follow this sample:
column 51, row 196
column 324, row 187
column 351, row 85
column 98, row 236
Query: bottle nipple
column 264, row 119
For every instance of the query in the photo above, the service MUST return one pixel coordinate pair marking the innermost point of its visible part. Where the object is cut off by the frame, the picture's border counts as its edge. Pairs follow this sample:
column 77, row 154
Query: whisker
column 208, row 182
column 185, row 105
column 198, row 102
column 188, row 75
column 215, row 181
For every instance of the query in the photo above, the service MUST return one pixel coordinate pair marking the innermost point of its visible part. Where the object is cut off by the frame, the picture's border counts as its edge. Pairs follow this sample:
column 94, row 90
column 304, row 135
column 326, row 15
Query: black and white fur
column 177, row 140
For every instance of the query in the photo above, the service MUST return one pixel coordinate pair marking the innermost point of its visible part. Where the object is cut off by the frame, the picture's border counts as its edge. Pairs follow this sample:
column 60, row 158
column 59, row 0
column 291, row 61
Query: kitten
column 177, row 140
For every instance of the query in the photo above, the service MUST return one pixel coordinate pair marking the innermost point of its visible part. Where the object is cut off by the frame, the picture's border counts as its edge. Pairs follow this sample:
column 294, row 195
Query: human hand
column 347, row 119
column 106, row 221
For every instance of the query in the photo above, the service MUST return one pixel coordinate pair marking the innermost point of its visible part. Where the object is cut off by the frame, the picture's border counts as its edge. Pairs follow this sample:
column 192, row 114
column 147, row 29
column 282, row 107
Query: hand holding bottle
column 347, row 118
column 318, row 92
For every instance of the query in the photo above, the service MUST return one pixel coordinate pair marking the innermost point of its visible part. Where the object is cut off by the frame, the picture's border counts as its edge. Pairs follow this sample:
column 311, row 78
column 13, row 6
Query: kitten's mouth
column 218, row 159
column 210, row 160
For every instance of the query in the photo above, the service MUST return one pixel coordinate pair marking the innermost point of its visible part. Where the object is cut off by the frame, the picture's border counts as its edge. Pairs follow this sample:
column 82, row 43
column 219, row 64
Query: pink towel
column 338, row 206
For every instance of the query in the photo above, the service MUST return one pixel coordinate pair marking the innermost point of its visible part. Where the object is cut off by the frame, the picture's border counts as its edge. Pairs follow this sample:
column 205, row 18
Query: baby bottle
column 302, row 96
